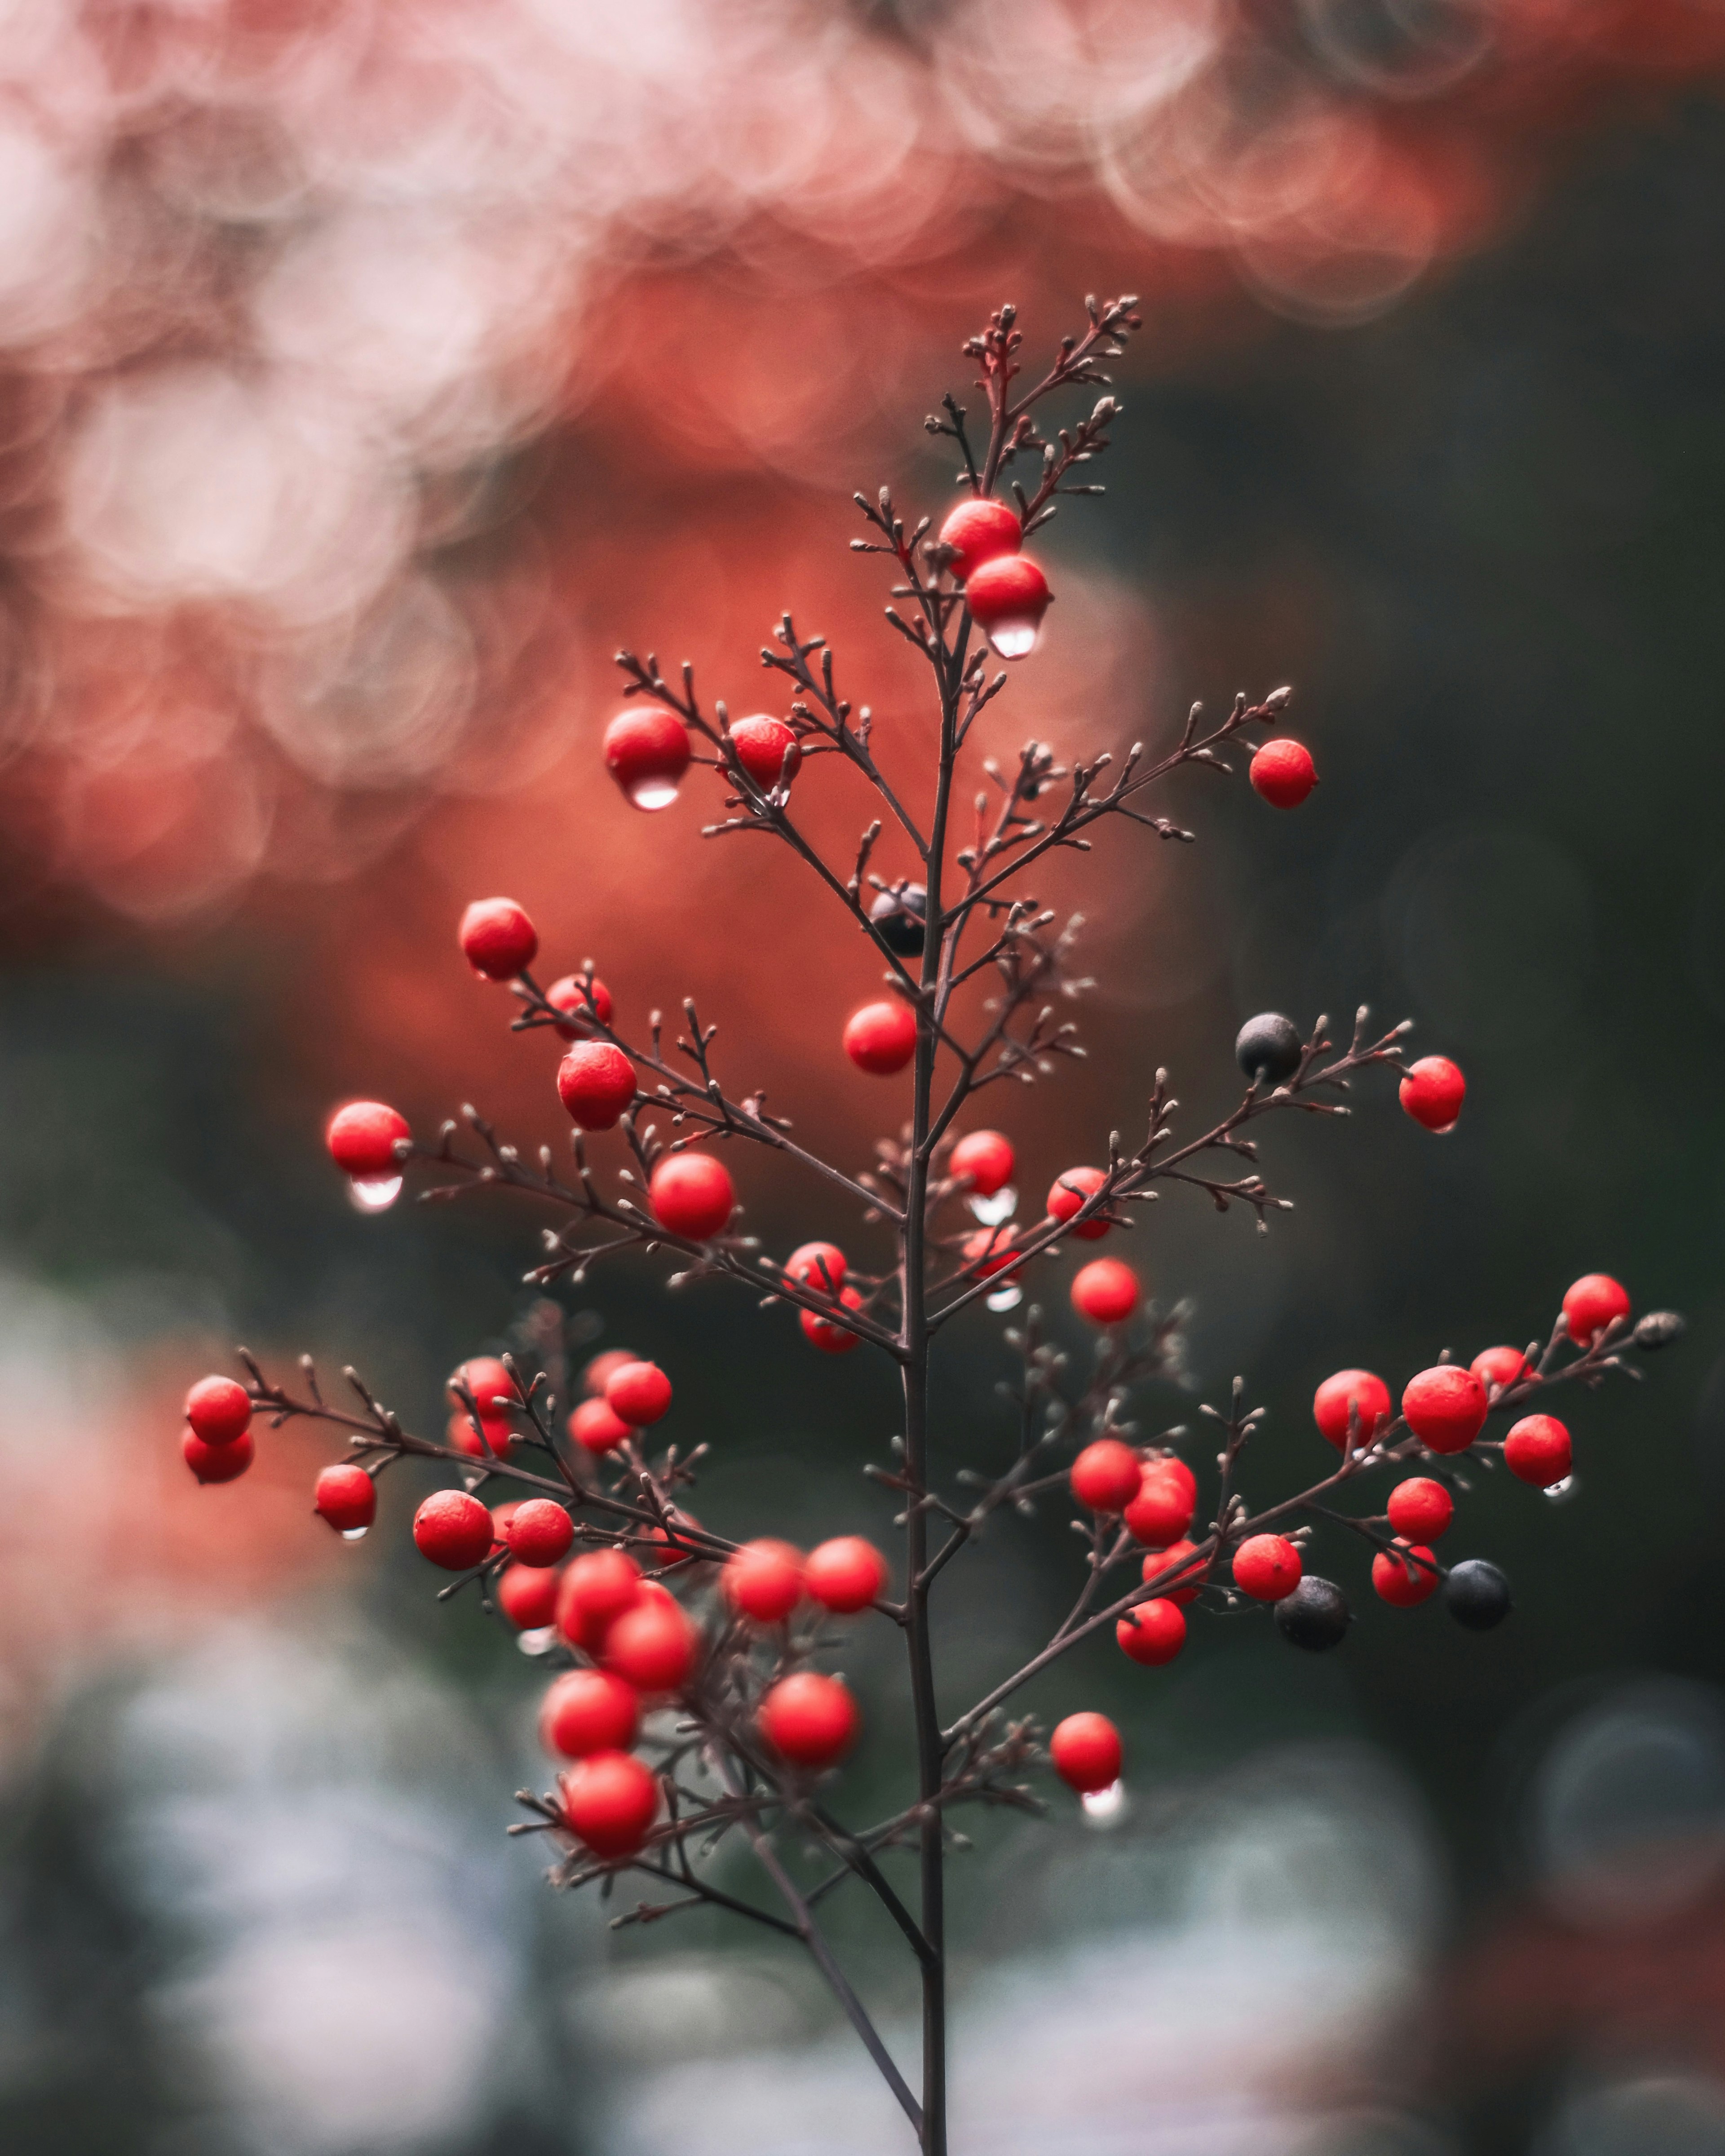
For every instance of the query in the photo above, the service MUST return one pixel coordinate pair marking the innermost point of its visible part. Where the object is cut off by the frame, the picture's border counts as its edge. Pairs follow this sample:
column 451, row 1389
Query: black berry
column 900, row 919
column 1315, row 1616
column 1270, row 1047
column 1477, row 1594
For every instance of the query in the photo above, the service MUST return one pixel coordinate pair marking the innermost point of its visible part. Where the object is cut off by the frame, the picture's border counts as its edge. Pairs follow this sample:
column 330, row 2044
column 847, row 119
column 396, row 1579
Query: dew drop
column 1104, row 1808
column 1561, row 1492
column 1014, row 636
column 374, row 1193
column 1006, row 1298
column 354, row 1534
column 539, row 1641
column 992, row 1211
column 654, row 791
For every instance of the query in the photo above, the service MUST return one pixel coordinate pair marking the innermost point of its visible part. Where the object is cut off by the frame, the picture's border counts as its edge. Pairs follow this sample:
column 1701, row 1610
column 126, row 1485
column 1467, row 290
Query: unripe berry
column 217, row 1463
column 808, row 1719
column 595, row 1083
column 1499, row 1366
column 585, row 997
column 692, row 1194
column 1432, row 1093
column 1068, row 1195
column 1152, row 1633
column 1161, row 1511
column 497, row 939
column 818, row 1265
column 596, row 1590
column 1008, row 598
column 639, row 1394
column 1282, row 772
column 1658, row 1329
column 1266, row 1566
column 647, row 751
column 1086, row 1752
column 987, row 1158
column 900, row 919
column 598, row 1373
column 1105, row 1291
column 826, row 1333
column 1594, row 1302
column 768, row 750
column 652, row 1645
column 1106, row 1476
column 1348, row 1397
column 881, row 1037
column 610, row 1801
column 527, row 1595
column 219, row 1410
column 589, row 1711
column 1476, row 1594
column 1405, row 1582
column 1538, row 1451
column 977, row 530
column 1316, row 1616
column 362, row 1136
column 452, row 1530
column 539, row 1532
column 1269, row 1047
column 1420, row 1509
column 1160, row 1562
column 345, row 1495
column 763, row 1581
column 1446, row 1407
column 844, row 1575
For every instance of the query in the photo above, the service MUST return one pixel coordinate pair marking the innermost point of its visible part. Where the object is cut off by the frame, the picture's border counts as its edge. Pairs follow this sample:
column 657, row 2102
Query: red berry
column 768, row 750
column 1162, row 1509
column 1105, row 1291
column 692, row 1194
column 647, row 752
column 1420, row 1509
column 1349, row 1394
column 493, row 1391
column 1008, row 598
column 497, row 939
column 987, row 1158
column 818, row 1265
column 763, row 1580
column 219, row 1410
column 587, row 1710
column 640, row 1393
column 217, row 1463
column 652, row 1645
column 845, row 1574
column 1266, row 1566
column 539, row 1532
column 1086, row 1752
column 1282, row 772
column 881, row 1037
column 1538, row 1451
column 585, row 997
column 1161, row 1562
column 826, row 1333
column 1446, row 1407
column 1594, row 1302
column 1432, row 1093
column 1404, row 1583
column 1499, row 1366
column 452, row 1530
column 1068, row 1195
column 609, row 1801
column 596, row 1590
column 527, row 1595
column 345, row 1495
column 492, row 1440
column 362, row 1136
column 989, row 1251
column 1152, row 1632
column 1106, row 1476
column 598, row 1373
column 808, row 1719
column 595, row 1083
column 980, row 530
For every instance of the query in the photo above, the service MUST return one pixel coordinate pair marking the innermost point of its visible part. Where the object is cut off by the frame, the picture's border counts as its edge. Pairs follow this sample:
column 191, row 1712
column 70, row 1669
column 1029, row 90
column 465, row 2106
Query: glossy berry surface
column 589, row 1711
column 980, row 530
column 1538, row 1451
column 1161, row 1511
column 986, row 1157
column 362, row 1136
column 1106, row 1476
column 1498, row 1365
column 497, row 939
column 646, row 750
column 452, row 1530
column 1315, row 1617
column 763, row 1581
column 1282, row 772
column 1432, row 1093
column 1152, row 1633
column 1269, row 1047
column 1087, row 1753
column 539, row 1532
column 845, row 1574
column 1592, row 1303
column 493, row 1390
column 639, row 1394
column 818, row 1265
column 217, row 1463
column 345, row 1495
column 597, row 1374
column 1066, row 1198
column 597, row 1427
column 596, row 1590
column 527, row 1595
column 768, row 750
column 900, row 919
column 1405, row 1582
column 1420, row 1509
column 692, row 1194
column 1171, row 1559
column 826, row 1333
column 1446, row 1407
column 1105, row 1291
column 610, row 1801
column 584, row 997
column 1348, row 1397
column 1008, row 598
column 219, row 1410
column 1266, row 1566
column 652, row 1645
column 596, row 1084
column 881, row 1037
column 1476, row 1594
column 809, row 1719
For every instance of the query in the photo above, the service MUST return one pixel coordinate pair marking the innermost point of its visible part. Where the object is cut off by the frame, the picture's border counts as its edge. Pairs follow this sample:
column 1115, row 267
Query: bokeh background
column 367, row 374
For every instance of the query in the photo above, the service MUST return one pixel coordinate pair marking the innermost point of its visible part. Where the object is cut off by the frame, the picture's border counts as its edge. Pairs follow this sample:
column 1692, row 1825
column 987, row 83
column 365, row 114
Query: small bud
column 1659, row 1328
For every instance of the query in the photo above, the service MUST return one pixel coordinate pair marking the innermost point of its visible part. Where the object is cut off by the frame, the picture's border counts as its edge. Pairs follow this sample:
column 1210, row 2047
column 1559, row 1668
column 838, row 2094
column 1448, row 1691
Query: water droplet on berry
column 1015, row 636
column 354, row 1534
column 1560, row 1493
column 992, row 1211
column 654, row 791
column 1104, row 1808
column 374, row 1193
column 539, row 1641
column 1006, row 1298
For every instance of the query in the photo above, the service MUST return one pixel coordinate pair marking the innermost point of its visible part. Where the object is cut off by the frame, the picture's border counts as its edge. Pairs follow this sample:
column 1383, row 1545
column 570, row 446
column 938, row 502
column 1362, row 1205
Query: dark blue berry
column 1315, row 1616
column 1270, row 1047
column 900, row 920
column 1476, row 1594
